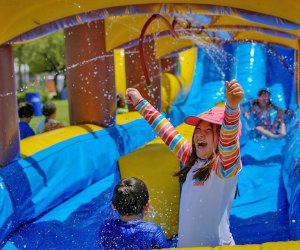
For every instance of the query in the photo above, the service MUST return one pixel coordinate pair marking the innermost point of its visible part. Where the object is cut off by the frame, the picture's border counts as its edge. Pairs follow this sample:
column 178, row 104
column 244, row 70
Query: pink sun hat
column 214, row 115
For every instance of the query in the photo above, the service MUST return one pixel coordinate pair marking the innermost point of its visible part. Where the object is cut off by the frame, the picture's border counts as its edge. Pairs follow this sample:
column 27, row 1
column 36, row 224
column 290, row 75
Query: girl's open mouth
column 201, row 144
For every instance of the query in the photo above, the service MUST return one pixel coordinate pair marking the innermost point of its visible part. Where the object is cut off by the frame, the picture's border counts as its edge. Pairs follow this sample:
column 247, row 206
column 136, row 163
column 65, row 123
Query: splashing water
column 151, row 214
column 216, row 54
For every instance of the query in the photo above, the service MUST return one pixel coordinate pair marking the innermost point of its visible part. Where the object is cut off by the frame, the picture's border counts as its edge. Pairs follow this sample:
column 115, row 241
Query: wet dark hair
column 260, row 93
column 130, row 196
column 120, row 101
column 25, row 110
column 264, row 91
column 49, row 108
column 203, row 173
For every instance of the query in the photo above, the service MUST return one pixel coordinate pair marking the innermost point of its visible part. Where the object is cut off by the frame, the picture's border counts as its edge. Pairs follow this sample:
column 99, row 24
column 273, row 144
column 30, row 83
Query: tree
column 46, row 54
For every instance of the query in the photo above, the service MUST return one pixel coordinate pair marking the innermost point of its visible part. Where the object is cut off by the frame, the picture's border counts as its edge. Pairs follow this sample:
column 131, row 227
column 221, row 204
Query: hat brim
column 194, row 120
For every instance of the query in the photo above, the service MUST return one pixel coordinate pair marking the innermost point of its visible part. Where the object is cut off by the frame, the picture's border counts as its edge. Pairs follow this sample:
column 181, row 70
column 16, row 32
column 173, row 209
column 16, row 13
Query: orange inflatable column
column 135, row 76
column 170, row 64
column 9, row 128
column 90, row 75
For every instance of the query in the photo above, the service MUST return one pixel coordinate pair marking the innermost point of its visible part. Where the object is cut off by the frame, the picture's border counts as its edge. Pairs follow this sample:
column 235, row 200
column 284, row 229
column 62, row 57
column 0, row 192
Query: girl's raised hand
column 133, row 95
column 234, row 93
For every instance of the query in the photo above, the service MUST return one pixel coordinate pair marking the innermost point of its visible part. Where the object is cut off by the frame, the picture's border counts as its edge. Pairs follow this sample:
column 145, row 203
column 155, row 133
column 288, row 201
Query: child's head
column 205, row 139
column 25, row 111
column 130, row 197
column 205, row 142
column 207, row 131
column 263, row 97
column 120, row 101
column 49, row 109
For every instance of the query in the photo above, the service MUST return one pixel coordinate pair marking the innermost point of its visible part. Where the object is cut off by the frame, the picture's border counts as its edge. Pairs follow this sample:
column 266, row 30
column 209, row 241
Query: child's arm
column 230, row 159
column 175, row 141
column 270, row 134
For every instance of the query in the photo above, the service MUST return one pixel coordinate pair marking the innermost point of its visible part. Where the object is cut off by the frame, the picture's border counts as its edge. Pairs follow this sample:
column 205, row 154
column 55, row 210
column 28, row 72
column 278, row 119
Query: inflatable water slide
column 56, row 187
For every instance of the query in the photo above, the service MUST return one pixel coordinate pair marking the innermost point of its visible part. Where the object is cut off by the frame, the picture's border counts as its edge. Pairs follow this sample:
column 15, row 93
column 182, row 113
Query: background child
column 122, row 107
column 131, row 201
column 25, row 112
column 261, row 110
column 211, row 165
column 49, row 111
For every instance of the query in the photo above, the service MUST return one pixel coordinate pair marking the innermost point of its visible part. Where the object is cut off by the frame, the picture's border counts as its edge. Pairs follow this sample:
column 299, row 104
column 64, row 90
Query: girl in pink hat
column 211, row 166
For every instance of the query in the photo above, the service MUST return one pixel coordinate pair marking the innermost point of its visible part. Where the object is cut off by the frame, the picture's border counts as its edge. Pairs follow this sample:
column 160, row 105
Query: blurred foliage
column 46, row 54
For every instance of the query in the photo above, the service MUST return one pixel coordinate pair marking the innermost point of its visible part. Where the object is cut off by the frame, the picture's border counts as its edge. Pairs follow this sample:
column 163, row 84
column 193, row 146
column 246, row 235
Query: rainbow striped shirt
column 228, row 162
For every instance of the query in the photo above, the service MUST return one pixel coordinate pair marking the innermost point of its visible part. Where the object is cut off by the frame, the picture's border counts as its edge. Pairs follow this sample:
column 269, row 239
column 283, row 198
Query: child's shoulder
column 149, row 226
column 143, row 225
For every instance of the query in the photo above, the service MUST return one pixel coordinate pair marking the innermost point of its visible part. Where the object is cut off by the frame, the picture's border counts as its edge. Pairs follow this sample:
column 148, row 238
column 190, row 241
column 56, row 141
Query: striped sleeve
column 229, row 158
column 165, row 130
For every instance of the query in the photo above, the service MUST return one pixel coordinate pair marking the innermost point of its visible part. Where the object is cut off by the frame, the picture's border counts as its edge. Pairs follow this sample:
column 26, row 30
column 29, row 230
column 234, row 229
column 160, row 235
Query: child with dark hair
column 131, row 201
column 260, row 111
column 25, row 112
column 49, row 111
column 122, row 107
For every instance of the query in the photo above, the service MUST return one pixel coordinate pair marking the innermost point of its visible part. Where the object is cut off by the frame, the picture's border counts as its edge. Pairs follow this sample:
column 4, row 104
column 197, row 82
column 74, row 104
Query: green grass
column 62, row 114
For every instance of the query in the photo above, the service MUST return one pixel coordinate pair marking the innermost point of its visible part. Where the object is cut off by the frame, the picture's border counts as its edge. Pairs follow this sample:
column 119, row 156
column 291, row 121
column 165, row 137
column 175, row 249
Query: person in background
column 49, row 123
column 122, row 107
column 260, row 112
column 25, row 112
column 131, row 201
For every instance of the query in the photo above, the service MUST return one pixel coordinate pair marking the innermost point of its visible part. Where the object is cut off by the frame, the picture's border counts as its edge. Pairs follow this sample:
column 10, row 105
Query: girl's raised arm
column 165, row 130
column 230, row 159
